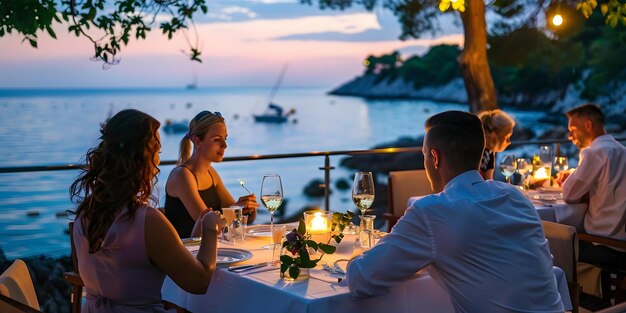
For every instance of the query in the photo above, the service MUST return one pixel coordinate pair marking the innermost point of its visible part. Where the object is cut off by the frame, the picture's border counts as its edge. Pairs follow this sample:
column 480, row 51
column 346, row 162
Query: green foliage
column 528, row 62
column 606, row 61
column 613, row 10
column 532, row 62
column 109, row 25
column 298, row 243
column 438, row 66
column 26, row 17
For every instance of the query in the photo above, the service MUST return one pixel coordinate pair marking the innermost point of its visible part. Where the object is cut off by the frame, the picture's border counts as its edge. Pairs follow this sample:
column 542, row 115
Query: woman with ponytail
column 498, row 127
column 124, row 246
column 194, row 185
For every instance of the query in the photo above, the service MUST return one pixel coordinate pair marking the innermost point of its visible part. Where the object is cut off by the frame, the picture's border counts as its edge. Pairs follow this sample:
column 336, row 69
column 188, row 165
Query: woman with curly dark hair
column 124, row 246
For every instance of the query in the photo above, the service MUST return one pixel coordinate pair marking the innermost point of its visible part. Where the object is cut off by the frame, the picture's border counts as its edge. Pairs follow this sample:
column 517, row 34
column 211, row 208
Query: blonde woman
column 498, row 128
column 194, row 185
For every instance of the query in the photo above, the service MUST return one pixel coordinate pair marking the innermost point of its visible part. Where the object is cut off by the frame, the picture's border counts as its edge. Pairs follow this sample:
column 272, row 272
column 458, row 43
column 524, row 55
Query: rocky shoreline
column 374, row 86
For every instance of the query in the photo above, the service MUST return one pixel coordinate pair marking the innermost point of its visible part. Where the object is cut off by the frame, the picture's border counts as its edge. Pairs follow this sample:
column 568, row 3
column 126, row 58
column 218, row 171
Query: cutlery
column 333, row 270
column 241, row 182
column 331, row 281
column 243, row 268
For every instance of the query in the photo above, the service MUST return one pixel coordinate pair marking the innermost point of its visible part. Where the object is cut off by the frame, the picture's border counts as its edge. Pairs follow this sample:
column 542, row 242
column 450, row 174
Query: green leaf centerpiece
column 298, row 242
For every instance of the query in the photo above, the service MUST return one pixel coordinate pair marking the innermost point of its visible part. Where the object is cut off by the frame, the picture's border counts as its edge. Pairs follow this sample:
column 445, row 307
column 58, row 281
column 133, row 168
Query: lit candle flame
column 541, row 173
column 319, row 223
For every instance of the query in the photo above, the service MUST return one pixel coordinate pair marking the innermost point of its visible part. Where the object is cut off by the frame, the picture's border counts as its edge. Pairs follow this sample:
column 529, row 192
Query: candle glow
column 319, row 223
column 541, row 173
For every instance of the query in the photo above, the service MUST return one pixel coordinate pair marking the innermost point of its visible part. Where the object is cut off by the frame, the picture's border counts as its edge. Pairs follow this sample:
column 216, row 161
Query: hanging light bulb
column 557, row 20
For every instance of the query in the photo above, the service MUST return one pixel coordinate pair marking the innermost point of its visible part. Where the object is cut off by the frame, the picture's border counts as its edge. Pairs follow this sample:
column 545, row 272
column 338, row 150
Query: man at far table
column 483, row 238
column 600, row 180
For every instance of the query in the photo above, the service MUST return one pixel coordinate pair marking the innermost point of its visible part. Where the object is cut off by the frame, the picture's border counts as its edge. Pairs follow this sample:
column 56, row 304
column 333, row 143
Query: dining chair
column 563, row 243
column 17, row 293
column 73, row 277
column 613, row 280
column 402, row 185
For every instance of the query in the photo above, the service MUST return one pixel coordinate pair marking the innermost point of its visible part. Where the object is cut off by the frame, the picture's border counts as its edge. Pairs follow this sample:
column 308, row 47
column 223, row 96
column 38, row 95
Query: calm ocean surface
column 58, row 126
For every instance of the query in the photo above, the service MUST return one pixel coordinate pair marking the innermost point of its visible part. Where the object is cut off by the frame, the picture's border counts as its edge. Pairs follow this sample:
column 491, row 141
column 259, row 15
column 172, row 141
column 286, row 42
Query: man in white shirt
column 599, row 180
column 483, row 240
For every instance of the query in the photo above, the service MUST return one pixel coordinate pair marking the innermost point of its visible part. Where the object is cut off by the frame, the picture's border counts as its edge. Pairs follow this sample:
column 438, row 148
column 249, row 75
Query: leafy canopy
column 109, row 25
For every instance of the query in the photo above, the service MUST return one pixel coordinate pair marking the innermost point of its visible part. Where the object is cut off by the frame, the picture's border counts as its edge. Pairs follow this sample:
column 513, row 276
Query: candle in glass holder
column 318, row 225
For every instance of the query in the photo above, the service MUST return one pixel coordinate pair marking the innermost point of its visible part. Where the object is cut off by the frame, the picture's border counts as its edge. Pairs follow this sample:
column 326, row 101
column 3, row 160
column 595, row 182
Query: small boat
column 172, row 127
column 194, row 83
column 274, row 112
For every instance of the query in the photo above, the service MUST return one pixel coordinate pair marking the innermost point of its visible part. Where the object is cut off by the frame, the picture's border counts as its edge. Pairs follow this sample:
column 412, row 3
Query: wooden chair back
column 17, row 290
column 563, row 242
column 73, row 277
column 614, row 280
column 401, row 186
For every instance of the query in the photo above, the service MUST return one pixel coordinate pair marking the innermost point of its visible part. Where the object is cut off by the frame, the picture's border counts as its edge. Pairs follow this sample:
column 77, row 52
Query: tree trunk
column 481, row 92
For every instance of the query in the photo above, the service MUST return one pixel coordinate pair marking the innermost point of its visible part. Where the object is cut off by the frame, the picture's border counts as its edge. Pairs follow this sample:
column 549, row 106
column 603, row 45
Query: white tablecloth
column 266, row 292
column 552, row 211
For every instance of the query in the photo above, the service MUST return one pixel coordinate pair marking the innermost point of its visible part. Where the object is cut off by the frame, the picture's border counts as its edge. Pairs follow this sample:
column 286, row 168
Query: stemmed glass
column 524, row 167
column 363, row 191
column 271, row 195
column 508, row 166
column 560, row 164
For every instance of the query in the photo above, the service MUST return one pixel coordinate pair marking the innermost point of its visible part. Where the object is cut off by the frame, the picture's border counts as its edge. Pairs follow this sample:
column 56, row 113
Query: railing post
column 326, row 184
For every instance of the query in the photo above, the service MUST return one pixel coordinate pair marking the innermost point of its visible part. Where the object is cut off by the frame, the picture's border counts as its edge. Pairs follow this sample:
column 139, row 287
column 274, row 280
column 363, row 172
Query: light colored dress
column 119, row 277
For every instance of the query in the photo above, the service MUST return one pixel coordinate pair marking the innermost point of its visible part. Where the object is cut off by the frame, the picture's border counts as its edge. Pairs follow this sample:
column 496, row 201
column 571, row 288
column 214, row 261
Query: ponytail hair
column 497, row 121
column 198, row 126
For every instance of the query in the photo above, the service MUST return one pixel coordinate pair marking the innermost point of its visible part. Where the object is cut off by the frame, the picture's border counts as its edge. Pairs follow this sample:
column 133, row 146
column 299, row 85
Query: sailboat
column 194, row 83
column 274, row 112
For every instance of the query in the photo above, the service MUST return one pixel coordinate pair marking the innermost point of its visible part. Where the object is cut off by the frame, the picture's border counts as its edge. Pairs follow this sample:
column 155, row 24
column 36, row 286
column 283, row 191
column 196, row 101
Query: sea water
column 51, row 127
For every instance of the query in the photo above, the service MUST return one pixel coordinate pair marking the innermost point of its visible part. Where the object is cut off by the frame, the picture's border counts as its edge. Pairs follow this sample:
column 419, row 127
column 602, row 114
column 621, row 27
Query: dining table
column 263, row 289
column 551, row 207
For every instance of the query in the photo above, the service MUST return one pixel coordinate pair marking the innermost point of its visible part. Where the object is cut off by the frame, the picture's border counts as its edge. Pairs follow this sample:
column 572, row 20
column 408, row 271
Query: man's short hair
column 460, row 137
column 588, row 110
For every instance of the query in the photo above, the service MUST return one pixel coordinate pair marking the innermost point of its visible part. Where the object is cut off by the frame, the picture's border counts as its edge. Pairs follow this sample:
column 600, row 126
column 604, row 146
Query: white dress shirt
column 601, row 174
column 483, row 238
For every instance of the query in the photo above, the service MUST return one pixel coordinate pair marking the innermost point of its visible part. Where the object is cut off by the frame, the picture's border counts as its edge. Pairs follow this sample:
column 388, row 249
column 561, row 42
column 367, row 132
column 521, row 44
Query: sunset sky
column 244, row 43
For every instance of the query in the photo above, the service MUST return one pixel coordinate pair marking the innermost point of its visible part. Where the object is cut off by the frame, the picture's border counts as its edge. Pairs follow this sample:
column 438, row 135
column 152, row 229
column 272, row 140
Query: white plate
column 259, row 231
column 263, row 231
column 229, row 256
column 551, row 189
column 548, row 197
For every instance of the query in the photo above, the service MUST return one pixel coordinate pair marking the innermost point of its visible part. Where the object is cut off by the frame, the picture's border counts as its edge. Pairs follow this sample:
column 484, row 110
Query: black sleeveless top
column 178, row 215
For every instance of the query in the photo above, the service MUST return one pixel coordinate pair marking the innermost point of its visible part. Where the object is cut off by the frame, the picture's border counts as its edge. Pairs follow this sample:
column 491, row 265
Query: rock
column 3, row 257
column 313, row 189
column 373, row 87
column 342, row 184
column 522, row 133
column 384, row 163
column 558, row 132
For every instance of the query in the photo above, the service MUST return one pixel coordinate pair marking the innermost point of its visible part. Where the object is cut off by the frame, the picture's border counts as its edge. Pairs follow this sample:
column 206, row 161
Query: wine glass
column 271, row 195
column 560, row 164
column 524, row 168
column 508, row 166
column 363, row 191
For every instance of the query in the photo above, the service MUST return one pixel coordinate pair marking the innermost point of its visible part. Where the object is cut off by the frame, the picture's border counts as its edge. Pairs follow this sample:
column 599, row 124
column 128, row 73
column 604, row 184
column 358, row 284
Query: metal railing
column 326, row 154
